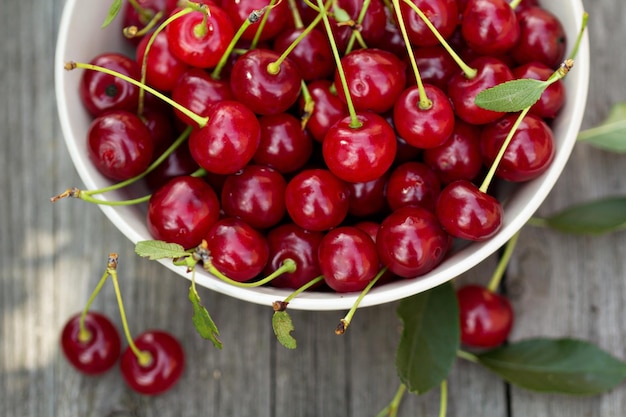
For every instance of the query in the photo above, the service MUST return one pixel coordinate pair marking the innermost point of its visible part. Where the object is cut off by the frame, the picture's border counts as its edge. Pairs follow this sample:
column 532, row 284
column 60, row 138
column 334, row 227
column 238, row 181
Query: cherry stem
column 467, row 70
column 359, row 22
column 84, row 335
column 253, row 18
column 355, row 123
column 443, row 404
column 492, row 170
column 424, row 102
column 143, row 357
column 467, row 356
column 312, row 5
column 309, row 105
column 288, row 265
column 496, row 278
column 295, row 13
column 579, row 38
column 345, row 322
column 514, row 4
column 303, row 288
column 391, row 410
column 133, row 31
column 144, row 13
column 199, row 120
column 257, row 35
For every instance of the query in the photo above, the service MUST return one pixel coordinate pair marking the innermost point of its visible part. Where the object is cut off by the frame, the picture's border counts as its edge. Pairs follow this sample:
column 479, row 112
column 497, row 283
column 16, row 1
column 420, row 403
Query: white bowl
column 80, row 39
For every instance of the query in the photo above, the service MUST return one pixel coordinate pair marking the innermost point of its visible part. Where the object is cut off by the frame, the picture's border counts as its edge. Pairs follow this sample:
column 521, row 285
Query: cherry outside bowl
column 80, row 39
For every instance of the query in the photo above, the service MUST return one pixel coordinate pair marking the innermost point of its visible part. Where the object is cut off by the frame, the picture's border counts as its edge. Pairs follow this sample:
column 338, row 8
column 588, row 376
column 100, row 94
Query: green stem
column 84, row 335
column 217, row 71
column 359, row 21
column 391, row 410
column 345, row 322
column 303, row 288
column 443, row 405
column 494, row 282
column 295, row 13
column 579, row 38
column 514, row 4
column 144, row 14
column 130, row 202
column 257, row 35
column 467, row 356
column 288, row 265
column 132, row 31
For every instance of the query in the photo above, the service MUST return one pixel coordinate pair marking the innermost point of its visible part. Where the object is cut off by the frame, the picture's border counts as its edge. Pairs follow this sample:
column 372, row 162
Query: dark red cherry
column 348, row 259
column 412, row 184
column 443, row 14
column 360, row 154
column 102, row 92
column 490, row 27
column 119, row 145
column 328, row 109
column 162, row 67
column 97, row 350
column 180, row 162
column 228, row 141
column 289, row 241
column 312, row 55
column 552, row 98
column 368, row 198
column 436, row 66
column 542, row 38
column 375, row 79
column 410, row 242
column 316, row 199
column 165, row 368
column 160, row 123
column 131, row 16
column 278, row 17
column 468, row 213
column 237, row 249
column 372, row 27
column 486, row 317
column 182, row 211
column 265, row 92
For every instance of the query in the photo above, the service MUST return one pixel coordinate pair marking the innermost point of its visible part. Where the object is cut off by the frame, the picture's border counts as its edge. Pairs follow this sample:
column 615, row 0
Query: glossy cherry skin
column 96, row 355
column 162, row 67
column 468, row 213
column 316, row 199
column 529, row 153
column 436, row 66
column 412, row 184
column 237, row 249
column 542, row 38
column 443, row 14
column 182, row 211
column 256, row 195
column 423, row 128
column 228, row 141
column 312, row 55
column 375, row 79
column 410, row 242
column 119, row 145
column 160, row 123
column 165, row 369
column 197, row 44
column 552, row 98
column 348, row 259
column 277, row 20
column 284, row 145
column 486, row 317
column 360, row 154
column 102, row 92
column 328, row 109
column 289, row 241
column 490, row 27
column 462, row 91
column 368, row 198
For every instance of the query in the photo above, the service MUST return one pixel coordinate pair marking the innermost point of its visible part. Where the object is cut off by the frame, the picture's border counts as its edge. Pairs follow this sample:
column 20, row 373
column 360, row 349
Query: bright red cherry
column 165, row 368
column 486, row 317
column 97, row 350
column 162, row 67
column 443, row 14
column 312, row 55
column 435, row 64
column 490, row 27
column 412, row 184
column 328, row 109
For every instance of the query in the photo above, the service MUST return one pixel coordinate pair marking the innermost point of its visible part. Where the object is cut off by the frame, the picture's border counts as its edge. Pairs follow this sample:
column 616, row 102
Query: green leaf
column 564, row 366
column 202, row 320
column 610, row 135
column 511, row 96
column 430, row 338
column 594, row 217
column 157, row 249
column 283, row 326
column 113, row 12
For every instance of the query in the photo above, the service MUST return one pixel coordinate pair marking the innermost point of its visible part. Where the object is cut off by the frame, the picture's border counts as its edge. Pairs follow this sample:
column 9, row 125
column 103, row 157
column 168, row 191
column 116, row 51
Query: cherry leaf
column 511, row 96
column 283, row 326
column 564, row 366
column 157, row 249
column 113, row 12
column 610, row 135
column 202, row 320
column 595, row 217
column 430, row 338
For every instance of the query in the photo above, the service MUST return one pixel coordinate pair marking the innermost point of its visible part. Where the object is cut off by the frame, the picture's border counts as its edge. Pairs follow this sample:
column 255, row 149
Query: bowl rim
column 454, row 265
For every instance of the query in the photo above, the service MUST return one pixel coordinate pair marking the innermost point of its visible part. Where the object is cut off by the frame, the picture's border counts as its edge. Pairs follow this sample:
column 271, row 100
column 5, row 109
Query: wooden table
column 52, row 256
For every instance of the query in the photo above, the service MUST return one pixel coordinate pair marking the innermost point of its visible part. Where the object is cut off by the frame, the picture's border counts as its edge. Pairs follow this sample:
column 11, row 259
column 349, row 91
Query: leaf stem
column 443, row 404
column 467, row 356
column 84, row 335
column 583, row 26
column 391, row 410
column 288, row 265
column 496, row 278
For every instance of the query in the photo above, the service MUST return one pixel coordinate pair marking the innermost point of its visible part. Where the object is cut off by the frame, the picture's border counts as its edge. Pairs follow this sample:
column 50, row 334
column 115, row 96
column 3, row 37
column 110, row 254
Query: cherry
column 132, row 17
column 410, row 242
column 256, row 195
column 466, row 212
column 182, row 211
column 360, row 154
column 391, row 40
column 552, row 98
column 443, row 14
column 167, row 362
column 160, row 123
column 542, row 38
column 372, row 27
column 228, row 141
column 328, row 109
column 490, row 27
column 375, row 79
column 95, row 351
column 412, row 183
column 436, row 66
column 277, row 16
column 237, row 249
column 348, row 259
column 200, row 38
column 316, row 199
column 101, row 92
column 289, row 241
column 162, row 67
column 119, row 144
column 367, row 198
column 265, row 92
column 486, row 317
column 529, row 153
column 180, row 162
column 312, row 55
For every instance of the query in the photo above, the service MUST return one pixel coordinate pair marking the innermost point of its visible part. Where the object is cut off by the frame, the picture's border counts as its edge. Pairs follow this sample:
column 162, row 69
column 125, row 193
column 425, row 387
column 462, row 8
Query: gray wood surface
column 52, row 255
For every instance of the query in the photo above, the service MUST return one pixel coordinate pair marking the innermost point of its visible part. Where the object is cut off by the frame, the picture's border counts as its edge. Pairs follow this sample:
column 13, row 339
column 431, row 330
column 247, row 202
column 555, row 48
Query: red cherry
column 328, row 109
column 542, row 38
column 486, row 317
column 443, row 14
column 162, row 67
column 435, row 64
column 490, row 27
column 180, row 162
column 412, row 184
column 182, row 211
column 367, row 198
column 468, row 213
column 165, row 368
column 372, row 27
column 131, row 17
column 552, row 98
column 312, row 55
column 277, row 17
column 99, row 352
